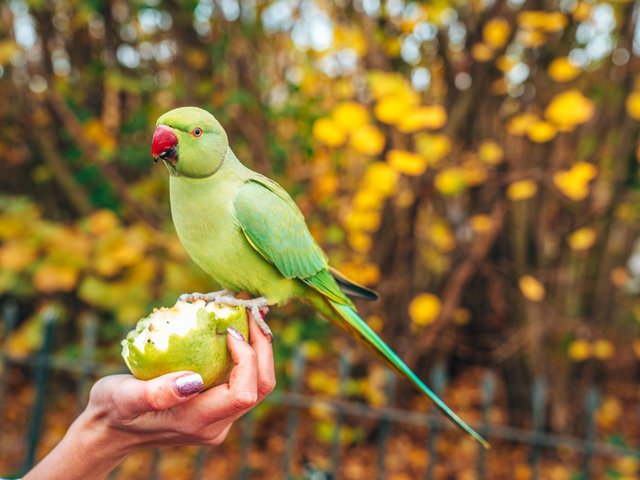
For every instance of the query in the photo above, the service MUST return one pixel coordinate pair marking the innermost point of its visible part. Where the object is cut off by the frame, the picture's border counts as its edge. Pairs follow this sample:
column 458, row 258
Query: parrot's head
column 191, row 142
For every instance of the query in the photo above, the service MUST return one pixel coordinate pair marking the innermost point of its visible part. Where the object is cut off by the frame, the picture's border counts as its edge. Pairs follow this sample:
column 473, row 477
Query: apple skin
column 200, row 346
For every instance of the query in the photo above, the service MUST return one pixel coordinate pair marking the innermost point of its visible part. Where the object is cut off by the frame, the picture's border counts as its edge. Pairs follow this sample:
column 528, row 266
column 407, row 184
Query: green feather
column 349, row 320
column 275, row 227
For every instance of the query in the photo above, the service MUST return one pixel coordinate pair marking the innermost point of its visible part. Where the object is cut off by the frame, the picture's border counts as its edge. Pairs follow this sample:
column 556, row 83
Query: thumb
column 134, row 397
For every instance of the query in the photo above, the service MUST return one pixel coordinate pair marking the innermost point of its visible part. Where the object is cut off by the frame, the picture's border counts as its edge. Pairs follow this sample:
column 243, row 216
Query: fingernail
column 189, row 384
column 235, row 334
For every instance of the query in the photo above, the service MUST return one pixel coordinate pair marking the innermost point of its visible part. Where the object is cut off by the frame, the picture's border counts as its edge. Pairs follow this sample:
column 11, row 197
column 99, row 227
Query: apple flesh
column 188, row 336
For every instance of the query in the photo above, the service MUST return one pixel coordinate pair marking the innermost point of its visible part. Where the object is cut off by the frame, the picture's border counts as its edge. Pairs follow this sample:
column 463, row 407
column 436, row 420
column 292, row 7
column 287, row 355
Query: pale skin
column 125, row 415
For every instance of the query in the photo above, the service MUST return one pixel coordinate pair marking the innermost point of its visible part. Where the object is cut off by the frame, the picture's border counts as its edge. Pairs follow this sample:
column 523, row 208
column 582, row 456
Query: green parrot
column 246, row 232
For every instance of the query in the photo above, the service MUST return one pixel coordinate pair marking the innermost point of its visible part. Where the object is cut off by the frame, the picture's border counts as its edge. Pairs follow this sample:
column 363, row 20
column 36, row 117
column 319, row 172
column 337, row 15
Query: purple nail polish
column 189, row 384
column 235, row 334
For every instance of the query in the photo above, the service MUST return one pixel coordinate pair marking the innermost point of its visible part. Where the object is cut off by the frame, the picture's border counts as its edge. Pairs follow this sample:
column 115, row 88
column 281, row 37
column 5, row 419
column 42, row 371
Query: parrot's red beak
column 164, row 145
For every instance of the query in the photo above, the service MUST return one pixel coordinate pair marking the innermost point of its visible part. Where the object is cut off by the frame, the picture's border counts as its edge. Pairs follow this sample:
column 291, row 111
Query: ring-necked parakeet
column 245, row 231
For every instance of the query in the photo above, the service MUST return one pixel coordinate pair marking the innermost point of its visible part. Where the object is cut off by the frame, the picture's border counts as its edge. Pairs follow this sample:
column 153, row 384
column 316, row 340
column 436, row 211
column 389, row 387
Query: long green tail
column 349, row 320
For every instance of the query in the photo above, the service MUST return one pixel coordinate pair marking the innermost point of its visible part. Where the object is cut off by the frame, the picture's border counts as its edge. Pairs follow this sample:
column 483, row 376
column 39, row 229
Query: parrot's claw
column 258, row 307
column 207, row 297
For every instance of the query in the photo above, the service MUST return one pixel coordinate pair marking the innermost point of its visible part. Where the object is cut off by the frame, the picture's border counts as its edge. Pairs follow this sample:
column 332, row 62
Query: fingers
column 132, row 397
column 231, row 400
column 261, row 343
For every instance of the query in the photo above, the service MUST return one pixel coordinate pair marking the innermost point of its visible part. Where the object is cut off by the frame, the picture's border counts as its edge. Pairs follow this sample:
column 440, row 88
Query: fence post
column 385, row 425
column 345, row 370
column 592, row 401
column 292, row 420
column 438, row 383
column 49, row 317
column 488, row 394
column 9, row 320
column 89, row 339
column 538, row 403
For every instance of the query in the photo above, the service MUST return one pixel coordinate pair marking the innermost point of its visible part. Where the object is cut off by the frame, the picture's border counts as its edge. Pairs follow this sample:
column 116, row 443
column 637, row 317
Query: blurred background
column 475, row 162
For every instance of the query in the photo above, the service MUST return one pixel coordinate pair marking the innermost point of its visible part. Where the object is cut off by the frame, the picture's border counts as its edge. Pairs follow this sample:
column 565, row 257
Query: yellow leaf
column 26, row 339
column 8, row 48
column 383, row 84
column 394, row 108
column 580, row 350
column 574, row 183
column 633, row 105
column 327, row 131
column 482, row 52
column 555, row 21
column 368, row 140
column 496, row 32
column 506, row 63
column 17, row 255
column 102, row 221
column 450, row 181
column 562, row 70
column 532, row 19
column 429, row 117
column 367, row 220
column 531, row 38
column 408, row 163
column 603, row 349
column 541, row 131
column 571, row 188
column 628, row 466
column 50, row 278
column 321, row 381
column 433, row 147
column 441, row 237
column 473, row 173
column 584, row 171
column 619, row 276
column 350, row 116
column 609, row 412
column 540, row 20
column 582, row 11
column 367, row 199
column 380, row 177
column 582, row 239
column 362, row 272
column 481, row 223
column 324, row 185
column 424, row 308
column 96, row 133
column 568, row 109
column 521, row 190
column 531, row 288
column 519, row 125
column 360, row 242
column 490, row 152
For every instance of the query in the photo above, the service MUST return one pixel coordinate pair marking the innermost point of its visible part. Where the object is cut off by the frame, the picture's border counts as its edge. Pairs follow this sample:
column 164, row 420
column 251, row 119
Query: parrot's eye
column 196, row 132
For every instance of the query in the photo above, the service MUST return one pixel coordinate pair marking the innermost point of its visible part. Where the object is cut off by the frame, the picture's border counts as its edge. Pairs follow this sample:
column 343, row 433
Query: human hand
column 125, row 414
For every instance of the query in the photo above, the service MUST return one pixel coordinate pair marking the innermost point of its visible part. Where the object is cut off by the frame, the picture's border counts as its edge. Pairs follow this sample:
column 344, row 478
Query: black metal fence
column 536, row 441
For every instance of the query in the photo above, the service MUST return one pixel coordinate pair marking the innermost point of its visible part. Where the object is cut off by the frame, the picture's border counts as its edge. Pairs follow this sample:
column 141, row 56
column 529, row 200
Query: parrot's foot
column 207, row 297
column 258, row 307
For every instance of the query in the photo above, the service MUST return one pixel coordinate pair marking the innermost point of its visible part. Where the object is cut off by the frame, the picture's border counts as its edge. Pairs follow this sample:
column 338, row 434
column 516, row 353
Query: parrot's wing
column 275, row 227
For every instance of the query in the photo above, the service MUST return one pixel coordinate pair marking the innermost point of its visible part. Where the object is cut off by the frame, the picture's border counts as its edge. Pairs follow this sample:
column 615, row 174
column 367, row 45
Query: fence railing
column 85, row 369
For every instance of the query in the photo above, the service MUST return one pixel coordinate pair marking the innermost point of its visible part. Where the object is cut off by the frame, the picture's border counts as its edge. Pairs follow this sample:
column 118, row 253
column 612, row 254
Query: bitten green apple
column 188, row 336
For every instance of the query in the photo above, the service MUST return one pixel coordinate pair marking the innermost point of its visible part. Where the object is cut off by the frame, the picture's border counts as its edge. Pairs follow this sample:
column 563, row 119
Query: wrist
column 91, row 448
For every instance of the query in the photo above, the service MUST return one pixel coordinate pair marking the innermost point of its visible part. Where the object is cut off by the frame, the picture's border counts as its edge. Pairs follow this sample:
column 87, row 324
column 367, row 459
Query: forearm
column 88, row 450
